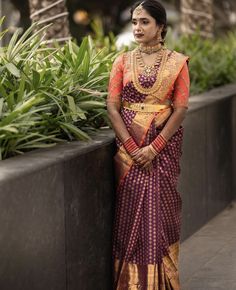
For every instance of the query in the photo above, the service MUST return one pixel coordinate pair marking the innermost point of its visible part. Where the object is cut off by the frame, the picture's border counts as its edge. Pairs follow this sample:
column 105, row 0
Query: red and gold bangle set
column 159, row 143
column 156, row 146
column 130, row 145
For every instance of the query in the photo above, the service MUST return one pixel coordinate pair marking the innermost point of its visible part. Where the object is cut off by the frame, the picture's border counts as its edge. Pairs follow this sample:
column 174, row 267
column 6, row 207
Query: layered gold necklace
column 148, row 70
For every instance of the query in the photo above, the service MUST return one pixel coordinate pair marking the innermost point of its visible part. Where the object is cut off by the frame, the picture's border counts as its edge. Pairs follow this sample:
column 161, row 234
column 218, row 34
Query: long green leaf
column 82, row 50
column 1, row 107
column 13, row 69
column 72, row 107
column 88, row 105
column 21, row 90
column 12, row 44
column 81, row 135
column 36, row 79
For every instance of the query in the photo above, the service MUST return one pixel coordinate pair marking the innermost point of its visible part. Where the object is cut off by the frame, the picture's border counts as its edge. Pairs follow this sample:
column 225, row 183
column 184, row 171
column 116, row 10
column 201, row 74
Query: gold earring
column 159, row 38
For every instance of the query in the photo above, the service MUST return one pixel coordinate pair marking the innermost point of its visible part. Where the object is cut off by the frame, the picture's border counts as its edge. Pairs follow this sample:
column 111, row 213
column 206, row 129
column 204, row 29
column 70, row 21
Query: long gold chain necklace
column 159, row 73
column 149, row 70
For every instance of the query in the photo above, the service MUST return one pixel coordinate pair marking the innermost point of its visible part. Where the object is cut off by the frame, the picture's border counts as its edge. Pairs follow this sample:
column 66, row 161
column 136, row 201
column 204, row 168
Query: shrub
column 50, row 94
column 212, row 61
column 53, row 94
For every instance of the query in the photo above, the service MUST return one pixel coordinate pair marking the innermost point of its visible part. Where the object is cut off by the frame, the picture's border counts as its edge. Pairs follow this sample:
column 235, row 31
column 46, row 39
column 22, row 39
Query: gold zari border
column 163, row 277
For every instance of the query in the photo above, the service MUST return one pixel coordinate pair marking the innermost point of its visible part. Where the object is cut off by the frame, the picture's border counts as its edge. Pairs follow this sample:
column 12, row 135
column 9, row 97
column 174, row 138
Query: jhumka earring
column 159, row 38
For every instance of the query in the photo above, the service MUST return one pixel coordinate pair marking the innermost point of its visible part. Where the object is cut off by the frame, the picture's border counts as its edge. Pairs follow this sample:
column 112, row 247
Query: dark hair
column 156, row 10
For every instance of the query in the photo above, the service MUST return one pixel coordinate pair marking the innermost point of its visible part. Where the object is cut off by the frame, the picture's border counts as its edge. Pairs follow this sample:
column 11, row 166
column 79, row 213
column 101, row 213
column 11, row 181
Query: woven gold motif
column 142, row 107
column 128, row 275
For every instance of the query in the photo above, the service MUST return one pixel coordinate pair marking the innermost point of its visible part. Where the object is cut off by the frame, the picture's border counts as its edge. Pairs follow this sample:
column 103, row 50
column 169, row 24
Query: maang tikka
column 139, row 8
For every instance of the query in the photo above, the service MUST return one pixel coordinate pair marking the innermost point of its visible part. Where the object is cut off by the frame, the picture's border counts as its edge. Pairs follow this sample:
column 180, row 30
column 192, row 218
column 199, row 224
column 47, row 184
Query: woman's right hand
column 143, row 158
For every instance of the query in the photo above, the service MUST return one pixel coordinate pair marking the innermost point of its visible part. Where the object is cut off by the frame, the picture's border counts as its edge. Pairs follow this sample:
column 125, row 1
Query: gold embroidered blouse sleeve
column 181, row 88
column 116, row 81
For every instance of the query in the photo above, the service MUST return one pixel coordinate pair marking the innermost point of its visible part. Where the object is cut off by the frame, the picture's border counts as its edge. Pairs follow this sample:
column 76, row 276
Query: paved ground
column 208, row 258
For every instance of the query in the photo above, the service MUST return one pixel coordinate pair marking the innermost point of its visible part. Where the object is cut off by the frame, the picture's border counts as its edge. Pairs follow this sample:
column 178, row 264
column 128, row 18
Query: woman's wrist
column 130, row 146
column 158, row 144
column 154, row 152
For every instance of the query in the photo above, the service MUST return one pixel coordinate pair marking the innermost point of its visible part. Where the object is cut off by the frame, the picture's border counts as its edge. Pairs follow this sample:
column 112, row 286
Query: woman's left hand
column 144, row 157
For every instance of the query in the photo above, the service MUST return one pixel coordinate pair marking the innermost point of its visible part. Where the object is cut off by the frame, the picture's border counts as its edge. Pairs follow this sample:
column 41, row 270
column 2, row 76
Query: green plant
column 53, row 94
column 50, row 94
column 100, row 39
column 212, row 61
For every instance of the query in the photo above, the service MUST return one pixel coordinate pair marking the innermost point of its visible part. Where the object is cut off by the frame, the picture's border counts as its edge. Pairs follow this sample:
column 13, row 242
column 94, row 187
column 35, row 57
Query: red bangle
column 130, row 145
column 159, row 143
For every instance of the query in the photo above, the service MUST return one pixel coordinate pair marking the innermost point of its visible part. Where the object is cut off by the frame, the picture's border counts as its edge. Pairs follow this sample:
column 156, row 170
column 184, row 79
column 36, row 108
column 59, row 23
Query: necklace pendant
column 149, row 71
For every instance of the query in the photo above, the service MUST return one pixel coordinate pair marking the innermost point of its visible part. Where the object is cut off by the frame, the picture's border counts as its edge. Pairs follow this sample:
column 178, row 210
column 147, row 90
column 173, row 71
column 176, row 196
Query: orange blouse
column 120, row 75
column 116, row 80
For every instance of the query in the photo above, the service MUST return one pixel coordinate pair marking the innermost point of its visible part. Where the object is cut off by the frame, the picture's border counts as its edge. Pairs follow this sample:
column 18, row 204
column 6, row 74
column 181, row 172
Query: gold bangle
column 163, row 137
column 152, row 149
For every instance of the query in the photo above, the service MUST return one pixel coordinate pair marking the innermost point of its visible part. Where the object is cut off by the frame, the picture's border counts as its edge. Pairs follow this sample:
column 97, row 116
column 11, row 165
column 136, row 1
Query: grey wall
column 207, row 182
column 56, row 212
column 234, row 143
column 56, row 205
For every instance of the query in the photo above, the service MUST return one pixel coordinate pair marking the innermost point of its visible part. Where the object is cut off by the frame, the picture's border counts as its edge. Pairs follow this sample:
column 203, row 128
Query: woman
column 147, row 102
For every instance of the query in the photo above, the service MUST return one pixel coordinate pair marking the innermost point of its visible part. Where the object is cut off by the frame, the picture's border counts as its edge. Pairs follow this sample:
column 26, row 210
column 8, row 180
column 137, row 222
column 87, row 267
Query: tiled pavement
column 208, row 258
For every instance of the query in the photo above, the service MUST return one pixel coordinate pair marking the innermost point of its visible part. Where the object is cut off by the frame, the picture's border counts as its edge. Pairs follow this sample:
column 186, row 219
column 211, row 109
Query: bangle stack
column 130, row 145
column 158, row 144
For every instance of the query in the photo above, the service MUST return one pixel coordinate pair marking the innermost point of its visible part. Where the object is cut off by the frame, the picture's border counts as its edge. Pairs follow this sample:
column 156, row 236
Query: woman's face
column 145, row 29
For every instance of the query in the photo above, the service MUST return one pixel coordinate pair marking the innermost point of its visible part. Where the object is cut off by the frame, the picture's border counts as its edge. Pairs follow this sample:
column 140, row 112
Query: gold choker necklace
column 150, row 49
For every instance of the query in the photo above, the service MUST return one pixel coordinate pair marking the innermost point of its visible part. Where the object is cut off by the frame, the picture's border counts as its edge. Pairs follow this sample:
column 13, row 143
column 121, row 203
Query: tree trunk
column 197, row 16
column 50, row 11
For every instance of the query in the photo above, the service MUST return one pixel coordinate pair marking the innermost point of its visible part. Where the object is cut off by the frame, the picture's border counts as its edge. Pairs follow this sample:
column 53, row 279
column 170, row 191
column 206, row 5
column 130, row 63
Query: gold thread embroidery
column 127, row 274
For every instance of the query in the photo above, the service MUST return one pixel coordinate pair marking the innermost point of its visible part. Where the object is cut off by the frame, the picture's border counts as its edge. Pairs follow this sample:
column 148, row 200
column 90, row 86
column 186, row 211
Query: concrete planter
column 207, row 181
column 56, row 205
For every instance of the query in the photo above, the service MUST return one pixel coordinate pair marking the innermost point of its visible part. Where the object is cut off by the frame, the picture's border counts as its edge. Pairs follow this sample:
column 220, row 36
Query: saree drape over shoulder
column 148, row 206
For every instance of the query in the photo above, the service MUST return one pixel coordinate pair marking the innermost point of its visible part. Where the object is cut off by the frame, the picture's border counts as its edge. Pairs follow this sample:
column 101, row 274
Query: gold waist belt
column 141, row 107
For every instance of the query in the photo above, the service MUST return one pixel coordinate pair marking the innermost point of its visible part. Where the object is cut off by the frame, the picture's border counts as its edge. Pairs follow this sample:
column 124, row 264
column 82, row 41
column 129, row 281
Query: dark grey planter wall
column 56, row 212
column 56, row 205
column 234, row 143
column 32, row 235
column 209, row 161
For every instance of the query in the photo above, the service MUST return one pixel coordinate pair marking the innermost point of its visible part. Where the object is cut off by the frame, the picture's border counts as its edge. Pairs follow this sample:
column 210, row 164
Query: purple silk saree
column 148, row 206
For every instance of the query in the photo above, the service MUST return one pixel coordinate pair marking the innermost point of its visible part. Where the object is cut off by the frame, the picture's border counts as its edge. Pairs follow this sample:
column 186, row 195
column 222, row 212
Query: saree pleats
column 147, row 223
